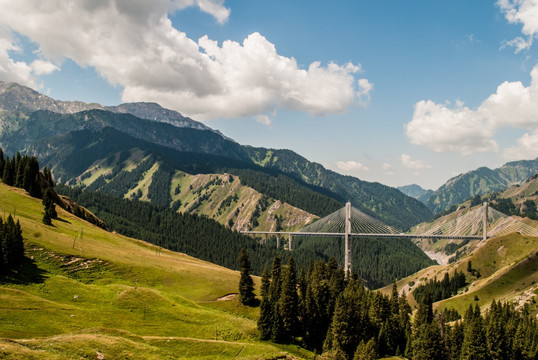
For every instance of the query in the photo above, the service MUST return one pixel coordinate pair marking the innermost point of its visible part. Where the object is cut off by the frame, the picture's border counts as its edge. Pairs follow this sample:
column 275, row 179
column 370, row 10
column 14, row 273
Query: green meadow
column 86, row 293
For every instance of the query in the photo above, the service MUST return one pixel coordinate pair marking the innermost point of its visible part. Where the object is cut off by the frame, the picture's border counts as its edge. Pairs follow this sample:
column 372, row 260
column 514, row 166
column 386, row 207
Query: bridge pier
column 278, row 241
column 347, row 239
column 485, row 221
column 290, row 242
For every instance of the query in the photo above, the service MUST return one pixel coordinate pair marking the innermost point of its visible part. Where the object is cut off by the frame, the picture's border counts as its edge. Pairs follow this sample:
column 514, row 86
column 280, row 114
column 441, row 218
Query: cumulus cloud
column 386, row 166
column 41, row 67
column 132, row 43
column 351, row 166
column 442, row 127
column 13, row 71
column 523, row 12
column 526, row 147
column 264, row 119
column 409, row 163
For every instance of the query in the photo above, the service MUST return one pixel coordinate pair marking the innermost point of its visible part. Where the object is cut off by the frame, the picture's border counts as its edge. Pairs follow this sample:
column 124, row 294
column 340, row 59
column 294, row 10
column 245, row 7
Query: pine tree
column 246, row 284
column 46, row 218
column 348, row 325
column 264, row 321
column 2, row 162
column 288, row 303
column 8, row 176
column 366, row 351
column 48, row 202
column 428, row 343
column 474, row 342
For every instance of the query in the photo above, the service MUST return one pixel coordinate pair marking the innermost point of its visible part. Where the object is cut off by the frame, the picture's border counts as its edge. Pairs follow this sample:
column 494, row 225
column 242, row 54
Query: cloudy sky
column 397, row 92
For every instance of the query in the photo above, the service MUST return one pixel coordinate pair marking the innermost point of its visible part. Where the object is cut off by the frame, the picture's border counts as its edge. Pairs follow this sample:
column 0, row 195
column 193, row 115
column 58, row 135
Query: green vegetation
column 440, row 290
column 116, row 296
column 382, row 202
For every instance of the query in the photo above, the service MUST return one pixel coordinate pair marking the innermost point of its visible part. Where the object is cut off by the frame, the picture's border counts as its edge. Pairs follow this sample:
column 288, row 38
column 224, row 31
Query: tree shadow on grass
column 28, row 273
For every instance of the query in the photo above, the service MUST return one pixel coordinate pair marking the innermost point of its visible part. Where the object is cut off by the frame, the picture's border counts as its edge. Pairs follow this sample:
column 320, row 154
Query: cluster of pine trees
column 443, row 289
column 502, row 333
column 21, row 171
column 11, row 245
column 323, row 311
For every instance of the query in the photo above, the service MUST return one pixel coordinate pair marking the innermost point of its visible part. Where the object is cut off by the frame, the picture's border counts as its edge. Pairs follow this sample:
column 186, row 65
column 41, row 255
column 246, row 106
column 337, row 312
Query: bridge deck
column 401, row 235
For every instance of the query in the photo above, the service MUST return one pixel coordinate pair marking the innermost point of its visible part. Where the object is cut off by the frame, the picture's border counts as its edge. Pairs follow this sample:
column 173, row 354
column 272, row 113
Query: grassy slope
column 509, row 272
column 239, row 211
column 117, row 296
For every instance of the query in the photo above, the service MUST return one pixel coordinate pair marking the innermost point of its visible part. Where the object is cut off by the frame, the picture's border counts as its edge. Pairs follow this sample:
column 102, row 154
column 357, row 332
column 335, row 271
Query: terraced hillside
column 88, row 293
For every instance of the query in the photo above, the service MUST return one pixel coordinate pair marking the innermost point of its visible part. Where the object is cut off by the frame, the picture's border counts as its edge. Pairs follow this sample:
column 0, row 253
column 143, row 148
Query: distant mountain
column 17, row 102
column 416, row 191
column 479, row 182
column 380, row 201
column 33, row 122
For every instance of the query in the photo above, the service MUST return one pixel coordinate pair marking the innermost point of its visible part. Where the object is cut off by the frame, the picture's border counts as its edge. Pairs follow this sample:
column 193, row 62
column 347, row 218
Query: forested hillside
column 378, row 262
column 480, row 182
column 380, row 201
column 33, row 122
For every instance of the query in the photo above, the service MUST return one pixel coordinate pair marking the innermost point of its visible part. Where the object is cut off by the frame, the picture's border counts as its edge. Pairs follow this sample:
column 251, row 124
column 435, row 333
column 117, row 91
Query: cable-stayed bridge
column 480, row 223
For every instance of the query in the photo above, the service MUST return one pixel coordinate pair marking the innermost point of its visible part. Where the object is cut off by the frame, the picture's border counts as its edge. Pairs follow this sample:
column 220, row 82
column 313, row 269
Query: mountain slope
column 381, row 201
column 415, row 191
column 479, row 182
column 119, row 297
column 27, row 116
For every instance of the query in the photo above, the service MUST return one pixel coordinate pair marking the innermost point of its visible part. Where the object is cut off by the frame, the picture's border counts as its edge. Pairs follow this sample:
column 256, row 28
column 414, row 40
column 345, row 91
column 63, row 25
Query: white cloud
column 365, row 87
column 263, row 119
column 526, row 147
column 464, row 130
column 386, row 166
column 41, row 67
column 408, row 163
column 521, row 12
column 351, row 166
column 132, row 43
column 13, row 71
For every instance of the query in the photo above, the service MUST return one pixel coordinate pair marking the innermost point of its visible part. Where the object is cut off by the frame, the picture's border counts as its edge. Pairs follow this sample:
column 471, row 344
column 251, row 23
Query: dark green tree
column 428, row 344
column 474, row 345
column 246, row 284
column 366, row 351
column 288, row 303
column 266, row 309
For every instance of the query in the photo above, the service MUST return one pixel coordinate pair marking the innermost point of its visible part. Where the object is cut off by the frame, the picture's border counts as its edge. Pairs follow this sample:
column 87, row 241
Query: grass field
column 88, row 292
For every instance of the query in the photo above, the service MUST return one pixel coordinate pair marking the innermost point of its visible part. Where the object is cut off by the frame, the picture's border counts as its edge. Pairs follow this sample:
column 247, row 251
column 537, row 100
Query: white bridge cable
column 470, row 223
column 361, row 223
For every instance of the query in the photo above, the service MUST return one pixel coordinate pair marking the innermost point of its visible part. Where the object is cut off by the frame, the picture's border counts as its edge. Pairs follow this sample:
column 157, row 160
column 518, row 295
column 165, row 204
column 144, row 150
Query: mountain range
column 476, row 182
column 74, row 138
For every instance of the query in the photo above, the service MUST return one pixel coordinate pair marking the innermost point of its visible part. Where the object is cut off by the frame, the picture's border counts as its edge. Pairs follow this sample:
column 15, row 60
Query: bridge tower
column 347, row 236
column 485, row 221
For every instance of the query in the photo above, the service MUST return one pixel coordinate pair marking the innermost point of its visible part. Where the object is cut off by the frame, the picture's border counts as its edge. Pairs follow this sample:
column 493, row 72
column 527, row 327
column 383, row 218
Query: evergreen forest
column 339, row 318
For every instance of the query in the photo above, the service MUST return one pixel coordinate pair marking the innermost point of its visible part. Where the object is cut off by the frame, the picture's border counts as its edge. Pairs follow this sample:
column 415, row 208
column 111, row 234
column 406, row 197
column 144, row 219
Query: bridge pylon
column 347, row 236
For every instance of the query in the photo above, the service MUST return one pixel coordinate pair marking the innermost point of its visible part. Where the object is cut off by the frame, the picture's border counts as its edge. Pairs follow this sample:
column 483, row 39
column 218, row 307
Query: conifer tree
column 428, row 344
column 48, row 202
column 347, row 322
column 474, row 342
column 366, row 351
column 8, row 176
column 246, row 284
column 288, row 303
column 264, row 321
column 2, row 162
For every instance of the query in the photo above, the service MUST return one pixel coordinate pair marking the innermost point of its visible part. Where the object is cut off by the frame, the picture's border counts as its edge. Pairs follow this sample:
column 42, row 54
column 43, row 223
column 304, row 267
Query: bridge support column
column 266, row 237
column 347, row 239
column 485, row 221
column 290, row 242
column 278, row 241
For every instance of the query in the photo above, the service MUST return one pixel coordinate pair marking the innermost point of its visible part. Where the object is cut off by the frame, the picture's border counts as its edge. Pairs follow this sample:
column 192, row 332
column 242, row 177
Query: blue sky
column 389, row 91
